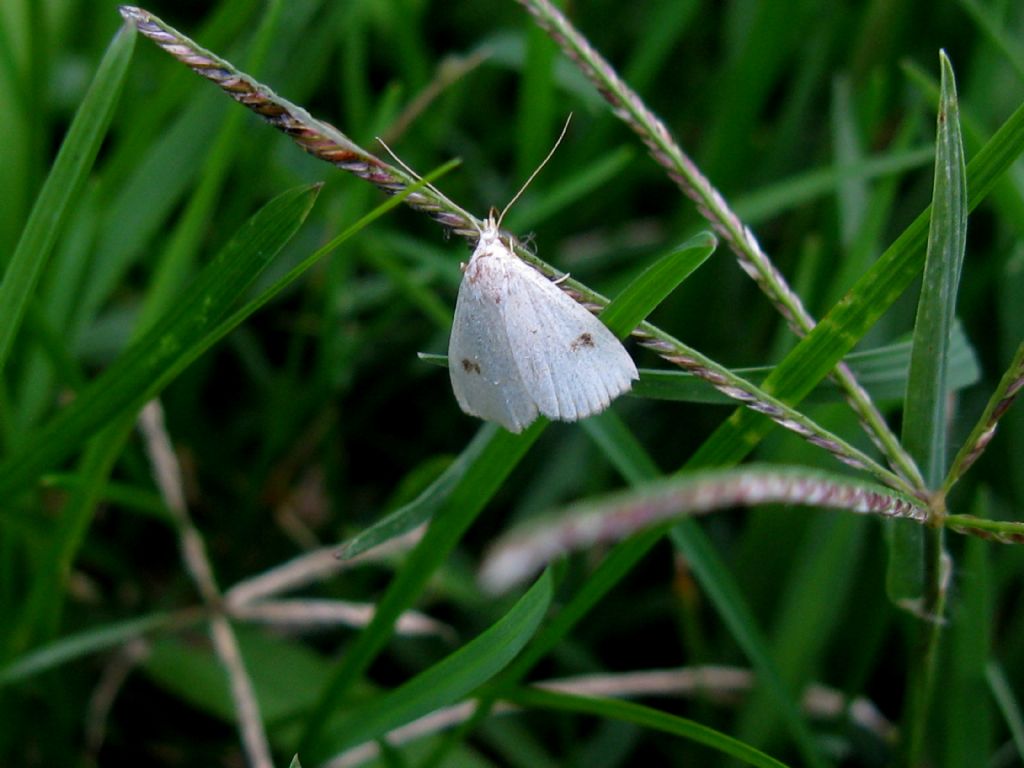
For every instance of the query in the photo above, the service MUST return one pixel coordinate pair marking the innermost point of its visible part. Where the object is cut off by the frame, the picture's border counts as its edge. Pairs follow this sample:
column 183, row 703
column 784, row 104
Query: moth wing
column 569, row 362
column 481, row 363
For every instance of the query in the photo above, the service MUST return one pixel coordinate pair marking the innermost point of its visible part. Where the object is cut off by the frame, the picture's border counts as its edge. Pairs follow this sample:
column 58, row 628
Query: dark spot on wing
column 469, row 366
column 581, row 341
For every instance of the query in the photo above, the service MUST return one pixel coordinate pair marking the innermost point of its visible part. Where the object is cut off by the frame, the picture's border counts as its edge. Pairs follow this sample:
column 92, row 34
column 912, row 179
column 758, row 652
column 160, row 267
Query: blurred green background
column 316, row 417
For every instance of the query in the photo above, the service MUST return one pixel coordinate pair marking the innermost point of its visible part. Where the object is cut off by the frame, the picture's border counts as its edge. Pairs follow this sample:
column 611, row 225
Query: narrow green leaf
column 295, row 272
column 924, row 410
column 916, row 572
column 475, row 457
column 724, row 591
column 84, row 643
column 148, row 365
column 655, row 283
column 461, row 507
column 1003, row 693
column 448, row 681
column 645, row 717
column 610, row 572
column 70, row 169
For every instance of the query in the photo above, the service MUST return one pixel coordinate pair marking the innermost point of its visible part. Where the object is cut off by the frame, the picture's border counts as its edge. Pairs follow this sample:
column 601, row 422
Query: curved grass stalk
column 1009, row 387
column 629, row 108
column 1002, row 531
column 320, row 139
column 526, row 549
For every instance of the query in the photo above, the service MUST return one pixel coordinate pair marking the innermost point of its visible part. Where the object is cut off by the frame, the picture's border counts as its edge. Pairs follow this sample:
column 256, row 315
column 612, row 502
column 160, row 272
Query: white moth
column 520, row 346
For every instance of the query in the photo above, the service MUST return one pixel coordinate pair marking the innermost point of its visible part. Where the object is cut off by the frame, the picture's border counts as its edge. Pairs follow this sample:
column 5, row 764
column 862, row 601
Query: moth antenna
column 405, row 167
column 536, row 171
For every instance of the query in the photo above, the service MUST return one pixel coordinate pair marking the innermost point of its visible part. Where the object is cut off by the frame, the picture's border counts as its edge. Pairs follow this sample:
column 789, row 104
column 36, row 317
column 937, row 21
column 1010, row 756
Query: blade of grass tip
column 449, row 523
column 924, row 417
column 653, row 286
column 65, row 180
column 917, row 574
column 446, row 682
column 645, row 717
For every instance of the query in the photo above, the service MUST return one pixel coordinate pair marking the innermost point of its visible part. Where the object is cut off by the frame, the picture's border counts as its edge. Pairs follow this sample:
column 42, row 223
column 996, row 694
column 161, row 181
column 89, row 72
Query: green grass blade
column 924, row 410
column 423, row 507
column 645, row 717
column 103, row 452
column 70, row 169
column 168, row 347
column 1004, row 40
column 1003, row 693
column 299, row 269
column 653, row 286
column 469, row 496
column 81, row 644
column 723, row 590
column 917, row 570
column 450, row 680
